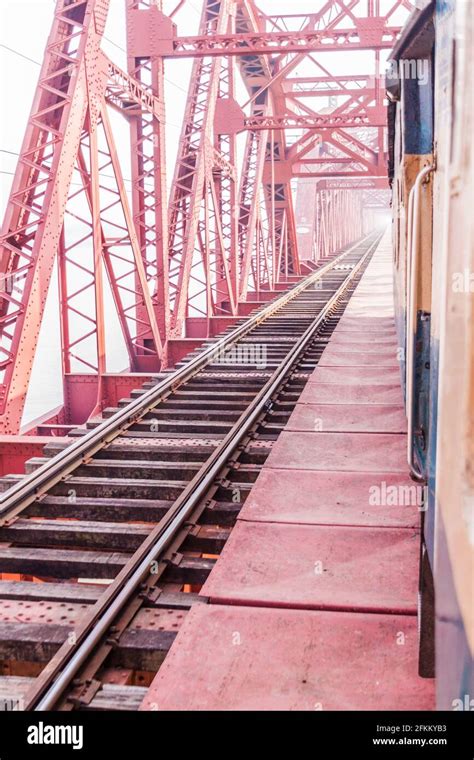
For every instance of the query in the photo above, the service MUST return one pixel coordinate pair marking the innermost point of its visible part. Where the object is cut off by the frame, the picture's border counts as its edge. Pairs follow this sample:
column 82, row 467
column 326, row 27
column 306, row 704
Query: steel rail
column 63, row 668
column 20, row 495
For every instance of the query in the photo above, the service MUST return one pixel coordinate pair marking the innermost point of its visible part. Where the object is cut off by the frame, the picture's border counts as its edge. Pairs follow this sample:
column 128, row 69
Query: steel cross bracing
column 227, row 236
column 199, row 264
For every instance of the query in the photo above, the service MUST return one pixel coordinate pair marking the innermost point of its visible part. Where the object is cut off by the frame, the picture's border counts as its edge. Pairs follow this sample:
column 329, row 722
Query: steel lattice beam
column 318, row 121
column 362, row 37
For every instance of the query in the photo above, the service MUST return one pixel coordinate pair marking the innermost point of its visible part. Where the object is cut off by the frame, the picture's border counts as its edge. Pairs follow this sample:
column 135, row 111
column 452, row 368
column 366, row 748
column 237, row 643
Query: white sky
column 24, row 28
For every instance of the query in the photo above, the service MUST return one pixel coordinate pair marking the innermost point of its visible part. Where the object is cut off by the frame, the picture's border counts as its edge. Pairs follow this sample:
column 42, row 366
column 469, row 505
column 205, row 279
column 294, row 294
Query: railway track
column 108, row 540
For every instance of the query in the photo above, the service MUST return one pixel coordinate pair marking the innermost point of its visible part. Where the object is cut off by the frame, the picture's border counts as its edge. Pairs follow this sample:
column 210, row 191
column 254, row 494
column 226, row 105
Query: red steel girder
column 328, row 174
column 365, row 183
column 230, row 233
column 200, row 271
column 67, row 109
column 148, row 153
column 362, row 37
column 375, row 118
column 267, row 235
column 33, row 220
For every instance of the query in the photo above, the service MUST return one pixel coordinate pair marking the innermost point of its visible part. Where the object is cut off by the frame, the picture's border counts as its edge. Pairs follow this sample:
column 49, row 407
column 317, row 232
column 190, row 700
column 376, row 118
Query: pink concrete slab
column 369, row 332
column 372, row 293
column 346, row 452
column 372, row 302
column 366, row 323
column 363, row 309
column 318, row 567
column 331, row 393
column 373, row 289
column 356, row 375
column 338, row 356
column 376, row 284
column 354, row 350
column 351, row 418
column 237, row 658
column 362, row 340
column 333, row 498
column 351, row 324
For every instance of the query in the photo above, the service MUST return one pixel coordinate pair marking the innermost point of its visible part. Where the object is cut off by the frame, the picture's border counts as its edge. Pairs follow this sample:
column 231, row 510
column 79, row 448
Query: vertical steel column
column 34, row 216
column 148, row 152
column 187, row 272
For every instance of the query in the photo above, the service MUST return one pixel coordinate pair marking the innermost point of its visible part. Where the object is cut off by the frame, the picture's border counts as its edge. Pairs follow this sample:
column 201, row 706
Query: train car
column 429, row 89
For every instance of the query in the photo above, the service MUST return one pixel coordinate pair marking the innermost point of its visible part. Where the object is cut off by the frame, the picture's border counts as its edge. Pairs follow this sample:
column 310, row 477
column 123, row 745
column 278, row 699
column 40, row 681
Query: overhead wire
column 38, row 63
